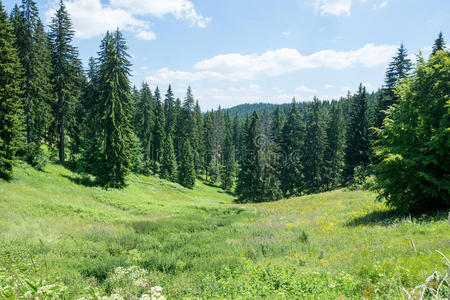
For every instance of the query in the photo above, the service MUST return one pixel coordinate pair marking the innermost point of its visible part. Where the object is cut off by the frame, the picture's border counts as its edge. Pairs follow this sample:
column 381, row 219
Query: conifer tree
column 439, row 44
column 249, row 182
column 168, row 170
column 357, row 136
column 292, row 151
column 170, row 110
column 159, row 133
column 397, row 70
column 114, row 108
column 34, row 55
column 186, row 171
column 228, row 159
column 315, row 145
column 200, row 148
column 10, row 97
column 66, row 72
column 334, row 154
column 144, row 119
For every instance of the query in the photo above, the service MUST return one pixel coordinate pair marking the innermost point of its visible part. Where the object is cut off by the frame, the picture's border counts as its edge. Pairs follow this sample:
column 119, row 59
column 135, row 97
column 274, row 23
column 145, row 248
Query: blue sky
column 238, row 51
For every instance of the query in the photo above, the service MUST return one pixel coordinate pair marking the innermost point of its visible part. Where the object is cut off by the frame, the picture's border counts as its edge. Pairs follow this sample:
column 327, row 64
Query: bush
column 413, row 175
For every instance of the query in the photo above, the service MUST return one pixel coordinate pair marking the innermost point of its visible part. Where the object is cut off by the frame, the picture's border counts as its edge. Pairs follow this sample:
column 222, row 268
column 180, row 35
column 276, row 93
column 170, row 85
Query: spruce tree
column 397, row 70
column 66, row 72
column 169, row 107
column 200, row 149
column 168, row 170
column 334, row 153
column 186, row 171
column 144, row 119
column 357, row 135
column 292, row 152
column 159, row 133
column 10, row 97
column 228, row 159
column 439, row 44
column 114, row 108
column 34, row 55
column 249, row 181
column 315, row 145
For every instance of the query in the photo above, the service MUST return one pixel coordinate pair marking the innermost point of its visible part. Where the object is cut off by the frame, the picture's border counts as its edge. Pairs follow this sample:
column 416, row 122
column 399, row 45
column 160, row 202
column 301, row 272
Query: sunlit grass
column 54, row 227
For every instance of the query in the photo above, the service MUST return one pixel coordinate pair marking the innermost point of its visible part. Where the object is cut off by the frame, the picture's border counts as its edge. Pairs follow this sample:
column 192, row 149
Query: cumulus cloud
column 383, row 5
column 333, row 7
column 93, row 18
column 281, row 61
column 180, row 9
column 329, row 86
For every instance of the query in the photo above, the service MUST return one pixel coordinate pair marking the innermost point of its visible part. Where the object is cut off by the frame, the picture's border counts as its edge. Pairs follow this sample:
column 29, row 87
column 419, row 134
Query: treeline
column 96, row 123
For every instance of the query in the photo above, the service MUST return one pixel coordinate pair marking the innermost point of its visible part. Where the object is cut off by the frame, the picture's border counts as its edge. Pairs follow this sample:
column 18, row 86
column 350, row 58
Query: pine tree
column 200, row 148
column 292, row 151
column 34, row 55
column 186, row 171
column 114, row 119
column 334, row 154
column 357, row 136
column 66, row 72
column 168, row 169
column 10, row 97
column 315, row 145
column 159, row 133
column 439, row 44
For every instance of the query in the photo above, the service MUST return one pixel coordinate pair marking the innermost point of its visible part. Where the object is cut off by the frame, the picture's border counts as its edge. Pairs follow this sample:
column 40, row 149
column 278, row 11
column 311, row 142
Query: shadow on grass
column 390, row 217
column 82, row 180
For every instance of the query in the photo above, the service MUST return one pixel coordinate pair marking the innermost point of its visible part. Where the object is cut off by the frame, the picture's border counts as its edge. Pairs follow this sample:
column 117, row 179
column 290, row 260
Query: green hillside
column 198, row 243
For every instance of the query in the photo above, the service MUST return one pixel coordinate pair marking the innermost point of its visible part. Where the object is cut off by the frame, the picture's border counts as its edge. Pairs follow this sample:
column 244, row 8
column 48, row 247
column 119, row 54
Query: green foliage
column 334, row 153
column 10, row 98
column 357, row 135
column 439, row 44
column 113, row 113
column 168, row 168
column 186, row 170
column 415, row 141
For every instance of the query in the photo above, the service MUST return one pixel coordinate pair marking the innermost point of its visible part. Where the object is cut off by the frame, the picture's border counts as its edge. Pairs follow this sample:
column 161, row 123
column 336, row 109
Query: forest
column 91, row 121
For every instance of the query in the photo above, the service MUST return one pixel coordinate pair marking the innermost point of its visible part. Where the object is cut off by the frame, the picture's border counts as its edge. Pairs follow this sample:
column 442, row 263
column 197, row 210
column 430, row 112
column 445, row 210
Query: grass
column 199, row 243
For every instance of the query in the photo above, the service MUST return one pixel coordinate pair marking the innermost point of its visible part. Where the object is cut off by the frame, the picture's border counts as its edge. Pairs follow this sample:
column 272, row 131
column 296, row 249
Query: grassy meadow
column 59, row 231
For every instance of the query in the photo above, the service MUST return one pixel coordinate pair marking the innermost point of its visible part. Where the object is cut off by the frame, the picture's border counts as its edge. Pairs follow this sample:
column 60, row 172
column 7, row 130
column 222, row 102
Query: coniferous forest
column 92, row 121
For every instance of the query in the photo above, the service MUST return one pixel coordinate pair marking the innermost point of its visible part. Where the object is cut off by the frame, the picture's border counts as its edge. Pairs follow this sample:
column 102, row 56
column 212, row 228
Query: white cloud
column 345, row 89
column 329, row 86
column 146, row 35
column 305, row 89
column 165, row 75
column 253, row 86
column 180, row 9
column 93, row 18
column 287, row 33
column 383, row 5
column 281, row 61
column 368, row 86
column 333, row 7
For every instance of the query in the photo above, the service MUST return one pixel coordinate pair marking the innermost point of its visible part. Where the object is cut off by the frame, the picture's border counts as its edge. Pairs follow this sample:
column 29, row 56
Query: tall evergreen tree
column 144, row 121
column 439, row 44
column 34, row 55
column 249, row 183
column 114, row 119
column 292, row 151
column 228, row 159
column 397, row 70
column 334, row 154
column 315, row 145
column 10, row 97
column 186, row 171
column 169, row 107
column 357, row 135
column 159, row 133
column 168, row 170
column 66, row 72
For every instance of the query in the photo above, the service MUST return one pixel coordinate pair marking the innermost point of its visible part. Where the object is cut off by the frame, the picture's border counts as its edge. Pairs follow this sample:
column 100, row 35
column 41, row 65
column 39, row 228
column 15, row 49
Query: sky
column 244, row 51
